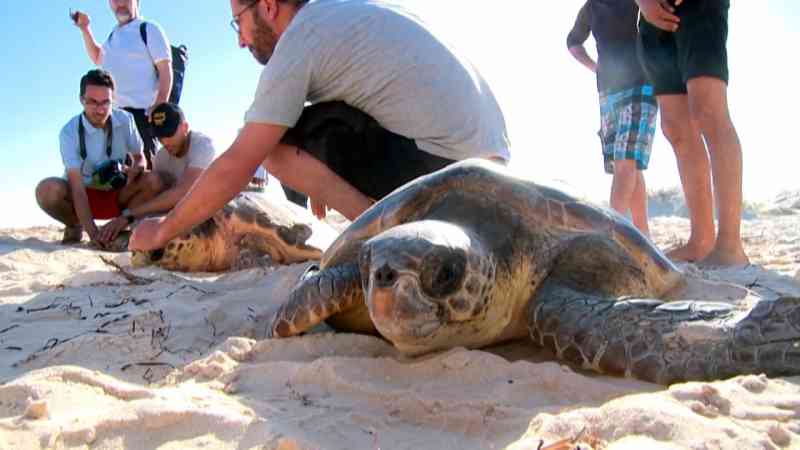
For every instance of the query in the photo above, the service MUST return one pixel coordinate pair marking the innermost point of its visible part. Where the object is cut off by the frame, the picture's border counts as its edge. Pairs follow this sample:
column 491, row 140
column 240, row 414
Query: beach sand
column 92, row 357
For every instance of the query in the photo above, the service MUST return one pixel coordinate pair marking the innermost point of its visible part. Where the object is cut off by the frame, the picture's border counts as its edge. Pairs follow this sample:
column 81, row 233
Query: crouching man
column 98, row 183
column 183, row 156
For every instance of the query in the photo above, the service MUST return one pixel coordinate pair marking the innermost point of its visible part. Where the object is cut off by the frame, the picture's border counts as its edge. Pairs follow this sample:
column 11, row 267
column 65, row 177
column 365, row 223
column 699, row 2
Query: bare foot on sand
column 725, row 257
column 690, row 252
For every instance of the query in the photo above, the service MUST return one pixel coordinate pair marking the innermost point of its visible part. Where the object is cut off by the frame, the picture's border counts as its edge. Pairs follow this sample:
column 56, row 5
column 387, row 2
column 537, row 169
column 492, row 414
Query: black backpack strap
column 82, row 137
column 143, row 31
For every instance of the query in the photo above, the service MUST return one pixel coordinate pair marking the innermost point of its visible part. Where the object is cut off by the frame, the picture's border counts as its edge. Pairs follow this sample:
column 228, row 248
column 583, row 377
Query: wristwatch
column 126, row 213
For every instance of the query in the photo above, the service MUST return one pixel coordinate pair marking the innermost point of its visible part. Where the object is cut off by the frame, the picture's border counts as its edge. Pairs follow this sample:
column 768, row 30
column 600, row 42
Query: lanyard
column 82, row 136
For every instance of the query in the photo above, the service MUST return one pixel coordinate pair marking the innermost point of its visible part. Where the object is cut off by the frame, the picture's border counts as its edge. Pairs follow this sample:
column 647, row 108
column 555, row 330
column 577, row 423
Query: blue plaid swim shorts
column 627, row 125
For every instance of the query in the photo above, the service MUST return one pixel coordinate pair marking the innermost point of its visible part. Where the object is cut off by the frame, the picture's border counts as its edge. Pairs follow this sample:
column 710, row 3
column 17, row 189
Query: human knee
column 625, row 169
column 153, row 183
column 50, row 191
column 708, row 114
column 676, row 130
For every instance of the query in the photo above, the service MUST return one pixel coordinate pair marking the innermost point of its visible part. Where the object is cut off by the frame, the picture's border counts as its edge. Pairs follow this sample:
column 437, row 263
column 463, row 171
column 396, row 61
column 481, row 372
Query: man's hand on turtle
column 148, row 235
column 109, row 231
column 660, row 13
column 95, row 236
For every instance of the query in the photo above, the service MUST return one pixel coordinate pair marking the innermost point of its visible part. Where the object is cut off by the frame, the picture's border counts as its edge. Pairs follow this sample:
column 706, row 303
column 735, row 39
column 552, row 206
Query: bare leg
column 623, row 189
column 639, row 205
column 694, row 169
column 304, row 173
column 709, row 108
column 55, row 198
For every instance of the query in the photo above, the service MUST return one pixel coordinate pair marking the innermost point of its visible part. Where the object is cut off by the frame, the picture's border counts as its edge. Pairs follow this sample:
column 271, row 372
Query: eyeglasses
column 235, row 20
column 96, row 104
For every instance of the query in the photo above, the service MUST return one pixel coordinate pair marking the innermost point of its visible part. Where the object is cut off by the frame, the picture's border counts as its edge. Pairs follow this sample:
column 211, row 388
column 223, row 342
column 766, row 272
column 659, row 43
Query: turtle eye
column 442, row 272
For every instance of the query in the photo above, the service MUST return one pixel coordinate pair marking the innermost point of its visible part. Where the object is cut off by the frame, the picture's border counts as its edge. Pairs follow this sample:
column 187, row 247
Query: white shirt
column 132, row 63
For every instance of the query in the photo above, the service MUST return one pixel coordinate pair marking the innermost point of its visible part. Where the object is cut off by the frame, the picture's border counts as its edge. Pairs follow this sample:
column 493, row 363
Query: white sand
column 91, row 360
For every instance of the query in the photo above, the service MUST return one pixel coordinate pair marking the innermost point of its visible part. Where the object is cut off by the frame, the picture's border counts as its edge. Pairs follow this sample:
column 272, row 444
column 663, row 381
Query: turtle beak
column 396, row 307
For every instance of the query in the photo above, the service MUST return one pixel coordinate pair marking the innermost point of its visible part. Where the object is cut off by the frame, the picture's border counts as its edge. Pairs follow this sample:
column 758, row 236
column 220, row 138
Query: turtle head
column 427, row 285
column 143, row 258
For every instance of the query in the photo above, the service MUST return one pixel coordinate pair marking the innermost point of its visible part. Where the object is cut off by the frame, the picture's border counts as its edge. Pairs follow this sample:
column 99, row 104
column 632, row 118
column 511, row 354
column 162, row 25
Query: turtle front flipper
column 667, row 342
column 319, row 296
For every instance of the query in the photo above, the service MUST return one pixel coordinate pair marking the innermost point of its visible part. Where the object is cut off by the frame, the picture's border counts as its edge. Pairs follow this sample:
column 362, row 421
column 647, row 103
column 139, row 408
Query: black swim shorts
column 696, row 49
column 353, row 145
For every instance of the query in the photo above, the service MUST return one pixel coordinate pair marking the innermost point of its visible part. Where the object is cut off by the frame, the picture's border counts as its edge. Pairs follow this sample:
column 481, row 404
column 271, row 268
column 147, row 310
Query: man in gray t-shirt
column 184, row 155
column 372, row 58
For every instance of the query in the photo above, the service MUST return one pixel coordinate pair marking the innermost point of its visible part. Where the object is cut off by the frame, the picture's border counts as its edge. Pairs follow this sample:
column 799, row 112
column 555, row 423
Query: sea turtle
column 471, row 256
column 249, row 225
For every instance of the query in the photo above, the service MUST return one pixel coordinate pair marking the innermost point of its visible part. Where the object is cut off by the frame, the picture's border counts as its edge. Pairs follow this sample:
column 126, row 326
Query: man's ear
column 272, row 9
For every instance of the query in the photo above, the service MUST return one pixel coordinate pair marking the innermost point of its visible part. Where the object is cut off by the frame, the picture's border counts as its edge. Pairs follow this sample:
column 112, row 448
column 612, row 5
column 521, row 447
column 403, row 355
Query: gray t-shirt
column 125, row 139
column 384, row 61
column 200, row 155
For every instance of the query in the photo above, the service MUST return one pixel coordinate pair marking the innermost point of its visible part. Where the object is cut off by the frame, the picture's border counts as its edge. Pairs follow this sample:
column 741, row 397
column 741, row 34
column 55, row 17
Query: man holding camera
column 141, row 67
column 97, row 184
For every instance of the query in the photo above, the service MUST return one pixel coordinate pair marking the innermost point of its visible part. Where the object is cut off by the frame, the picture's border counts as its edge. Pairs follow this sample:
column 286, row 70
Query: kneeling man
column 98, row 183
column 183, row 156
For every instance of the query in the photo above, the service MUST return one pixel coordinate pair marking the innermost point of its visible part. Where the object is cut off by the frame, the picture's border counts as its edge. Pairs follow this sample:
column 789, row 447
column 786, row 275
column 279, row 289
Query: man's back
column 385, row 62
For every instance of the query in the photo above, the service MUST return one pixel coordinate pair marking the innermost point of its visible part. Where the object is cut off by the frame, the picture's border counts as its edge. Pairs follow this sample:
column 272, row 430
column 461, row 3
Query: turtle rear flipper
column 667, row 342
column 317, row 297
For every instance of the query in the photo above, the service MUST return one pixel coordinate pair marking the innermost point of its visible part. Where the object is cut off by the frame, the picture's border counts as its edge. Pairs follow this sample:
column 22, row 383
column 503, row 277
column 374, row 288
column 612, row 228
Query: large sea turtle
column 471, row 256
column 248, row 227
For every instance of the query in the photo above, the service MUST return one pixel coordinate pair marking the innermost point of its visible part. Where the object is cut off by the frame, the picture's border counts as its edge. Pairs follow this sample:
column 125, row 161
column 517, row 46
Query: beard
column 123, row 16
column 264, row 41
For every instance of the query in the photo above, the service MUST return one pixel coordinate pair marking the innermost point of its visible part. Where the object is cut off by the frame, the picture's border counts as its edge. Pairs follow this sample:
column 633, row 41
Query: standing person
column 370, row 56
column 142, row 71
column 628, row 108
column 93, row 144
column 683, row 50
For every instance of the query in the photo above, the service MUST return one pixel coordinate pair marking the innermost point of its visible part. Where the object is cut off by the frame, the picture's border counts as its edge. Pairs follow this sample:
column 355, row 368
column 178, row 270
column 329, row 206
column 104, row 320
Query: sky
column 549, row 100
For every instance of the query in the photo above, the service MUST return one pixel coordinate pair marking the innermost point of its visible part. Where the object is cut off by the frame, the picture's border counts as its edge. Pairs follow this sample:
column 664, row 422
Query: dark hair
column 96, row 77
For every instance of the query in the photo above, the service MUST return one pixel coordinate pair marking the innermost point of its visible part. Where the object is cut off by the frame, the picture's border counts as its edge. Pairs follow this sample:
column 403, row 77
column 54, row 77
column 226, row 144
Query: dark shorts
column 697, row 49
column 146, row 132
column 104, row 204
column 352, row 144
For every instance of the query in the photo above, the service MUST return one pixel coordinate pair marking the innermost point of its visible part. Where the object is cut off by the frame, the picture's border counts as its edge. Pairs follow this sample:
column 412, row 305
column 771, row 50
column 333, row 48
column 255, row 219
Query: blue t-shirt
column 125, row 139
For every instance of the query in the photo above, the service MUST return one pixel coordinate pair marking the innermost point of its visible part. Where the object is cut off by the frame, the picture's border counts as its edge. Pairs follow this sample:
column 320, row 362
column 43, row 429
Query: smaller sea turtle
column 471, row 256
column 249, row 224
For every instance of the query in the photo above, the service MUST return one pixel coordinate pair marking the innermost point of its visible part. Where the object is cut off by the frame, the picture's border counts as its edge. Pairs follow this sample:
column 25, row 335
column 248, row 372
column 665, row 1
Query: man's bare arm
column 582, row 56
column 223, row 179
column 93, row 49
column 167, row 200
column 80, row 202
column 164, row 69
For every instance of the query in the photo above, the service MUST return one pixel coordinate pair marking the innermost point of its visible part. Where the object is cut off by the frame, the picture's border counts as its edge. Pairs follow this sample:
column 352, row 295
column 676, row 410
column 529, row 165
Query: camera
column 110, row 173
